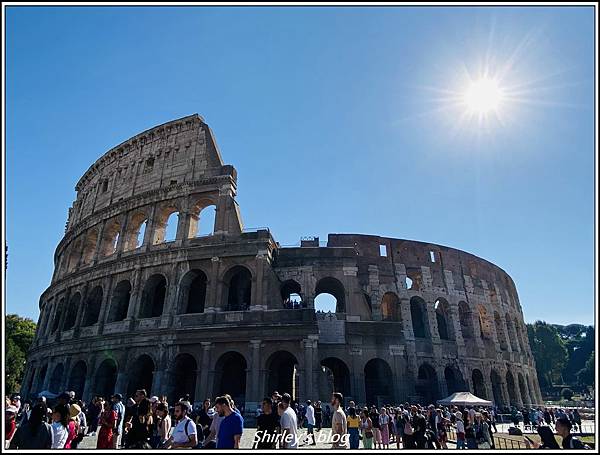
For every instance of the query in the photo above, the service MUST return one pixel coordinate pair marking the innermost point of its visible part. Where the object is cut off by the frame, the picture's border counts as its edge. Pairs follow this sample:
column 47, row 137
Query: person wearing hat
column 119, row 408
column 460, row 430
column 11, row 424
column 74, row 427
column 35, row 434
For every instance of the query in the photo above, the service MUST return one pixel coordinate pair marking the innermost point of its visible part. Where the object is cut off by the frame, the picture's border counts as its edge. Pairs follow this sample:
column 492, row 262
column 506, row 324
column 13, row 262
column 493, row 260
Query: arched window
column 136, row 231
column 72, row 309
column 238, row 282
column 202, row 219
column 390, row 307
column 193, row 292
column 165, row 229
column 427, row 384
column 443, row 319
column 111, row 237
column 153, row 296
column 418, row 316
column 57, row 316
column 120, row 301
column 89, row 247
column 291, row 294
column 74, row 254
column 92, row 307
column 484, row 323
column 330, row 294
column 500, row 331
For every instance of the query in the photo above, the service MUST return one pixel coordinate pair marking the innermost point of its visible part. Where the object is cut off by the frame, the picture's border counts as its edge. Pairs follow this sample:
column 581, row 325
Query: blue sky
column 337, row 120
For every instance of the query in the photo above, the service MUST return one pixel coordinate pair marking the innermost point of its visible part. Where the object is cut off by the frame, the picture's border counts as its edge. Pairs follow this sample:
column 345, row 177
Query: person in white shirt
column 184, row 434
column 288, row 423
column 60, row 421
column 310, row 422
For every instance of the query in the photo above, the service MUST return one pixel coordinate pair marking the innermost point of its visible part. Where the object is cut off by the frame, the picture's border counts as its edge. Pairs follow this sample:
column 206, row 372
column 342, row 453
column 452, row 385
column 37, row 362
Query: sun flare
column 483, row 96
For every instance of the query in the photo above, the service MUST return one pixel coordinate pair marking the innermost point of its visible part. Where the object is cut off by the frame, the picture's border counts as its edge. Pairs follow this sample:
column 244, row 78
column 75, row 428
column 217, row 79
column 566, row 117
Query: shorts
column 309, row 428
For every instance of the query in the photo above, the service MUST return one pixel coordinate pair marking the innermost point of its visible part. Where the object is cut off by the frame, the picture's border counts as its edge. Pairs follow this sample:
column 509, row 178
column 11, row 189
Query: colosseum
column 157, row 284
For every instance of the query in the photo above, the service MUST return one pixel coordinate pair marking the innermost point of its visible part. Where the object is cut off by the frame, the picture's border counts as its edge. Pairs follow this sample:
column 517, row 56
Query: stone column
column 81, row 310
column 122, row 235
column 399, row 385
column 104, row 308
column 99, row 243
column 170, row 307
column 252, row 391
column 204, row 389
column 374, row 294
column 49, row 371
column 149, row 232
column 135, row 297
column 357, row 375
column 309, row 344
column 257, row 297
column 213, row 295
column 88, row 388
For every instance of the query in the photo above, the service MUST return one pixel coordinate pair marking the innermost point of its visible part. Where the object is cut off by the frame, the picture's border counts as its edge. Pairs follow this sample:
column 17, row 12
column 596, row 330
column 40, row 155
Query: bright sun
column 483, row 96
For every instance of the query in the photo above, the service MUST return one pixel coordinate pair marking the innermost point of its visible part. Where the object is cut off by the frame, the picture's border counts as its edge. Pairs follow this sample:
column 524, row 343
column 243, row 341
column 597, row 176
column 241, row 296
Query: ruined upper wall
column 179, row 151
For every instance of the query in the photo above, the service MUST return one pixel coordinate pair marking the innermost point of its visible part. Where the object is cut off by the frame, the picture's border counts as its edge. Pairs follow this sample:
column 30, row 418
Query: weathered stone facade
column 204, row 315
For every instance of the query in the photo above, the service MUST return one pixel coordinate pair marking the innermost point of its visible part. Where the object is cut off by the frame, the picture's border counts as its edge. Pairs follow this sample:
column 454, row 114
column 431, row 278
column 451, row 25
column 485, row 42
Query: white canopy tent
column 464, row 399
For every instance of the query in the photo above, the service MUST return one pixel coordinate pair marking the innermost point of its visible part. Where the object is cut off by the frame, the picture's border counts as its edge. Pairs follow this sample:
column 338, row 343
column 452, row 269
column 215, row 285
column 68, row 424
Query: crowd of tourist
column 143, row 422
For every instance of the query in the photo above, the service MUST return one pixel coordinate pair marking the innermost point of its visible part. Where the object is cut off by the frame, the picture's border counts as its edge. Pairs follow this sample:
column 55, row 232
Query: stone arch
column 334, row 287
column 183, row 375
column 92, row 307
column 77, row 378
column 466, row 320
column 427, row 384
column 72, row 309
column 136, row 230
column 500, row 331
column 378, row 382
column 337, row 375
column 291, row 292
column 58, row 315
column 512, row 390
column 444, row 319
column 390, row 307
column 74, row 254
column 106, row 378
column 454, row 380
column 165, row 217
column 230, row 376
column 141, row 374
column 484, row 323
column 153, row 296
column 112, row 231
column 523, row 389
column 418, row 314
column 89, row 246
column 496, row 381
column 119, row 305
column 56, row 379
column 238, row 288
column 282, row 373
column 192, row 288
column 478, row 384
column 202, row 218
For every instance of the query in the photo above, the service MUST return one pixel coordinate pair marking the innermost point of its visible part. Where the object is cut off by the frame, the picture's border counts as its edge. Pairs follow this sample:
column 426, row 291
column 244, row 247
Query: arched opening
column 153, row 296
column 497, row 388
column 202, row 219
column 478, row 384
column 337, row 376
column 77, row 378
column 136, row 231
column 106, row 378
column 141, row 375
column 230, row 376
column 523, row 390
column 57, row 378
column 427, row 384
column 183, row 376
column 454, row 380
column 239, row 288
column 442, row 316
column 512, row 391
column 111, row 237
column 42, row 377
column 378, row 382
column 92, row 307
column 58, row 315
column 390, row 307
column 291, row 294
column 89, row 246
column 74, row 255
column 72, row 309
column 500, row 332
column 330, row 287
column 193, row 292
column 120, row 301
column 418, row 316
column 484, row 323
column 466, row 320
column 519, row 336
column 165, row 229
column 282, row 374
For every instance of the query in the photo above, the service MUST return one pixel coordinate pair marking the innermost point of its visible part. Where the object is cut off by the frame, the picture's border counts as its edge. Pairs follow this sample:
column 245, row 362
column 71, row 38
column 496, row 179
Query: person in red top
column 73, row 426
column 10, row 425
column 108, row 421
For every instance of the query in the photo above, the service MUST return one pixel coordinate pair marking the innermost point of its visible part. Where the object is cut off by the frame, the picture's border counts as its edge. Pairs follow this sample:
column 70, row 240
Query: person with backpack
column 184, row 433
column 563, row 429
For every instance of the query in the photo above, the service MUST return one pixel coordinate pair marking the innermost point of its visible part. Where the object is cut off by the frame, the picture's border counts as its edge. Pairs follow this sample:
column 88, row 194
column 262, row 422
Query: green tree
column 585, row 376
column 19, row 336
column 548, row 350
